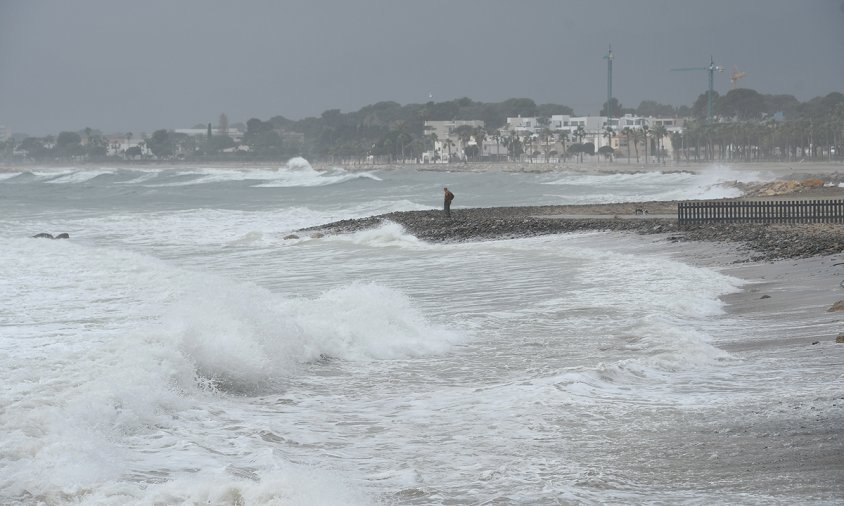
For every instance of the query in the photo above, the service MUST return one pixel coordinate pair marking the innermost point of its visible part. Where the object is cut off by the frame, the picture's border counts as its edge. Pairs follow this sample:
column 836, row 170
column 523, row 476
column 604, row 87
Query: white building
column 522, row 125
column 445, row 129
column 448, row 142
column 116, row 145
column 593, row 127
column 234, row 133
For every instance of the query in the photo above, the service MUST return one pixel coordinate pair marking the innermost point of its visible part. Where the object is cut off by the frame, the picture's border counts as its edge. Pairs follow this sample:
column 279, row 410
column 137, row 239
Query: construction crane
column 712, row 68
column 735, row 76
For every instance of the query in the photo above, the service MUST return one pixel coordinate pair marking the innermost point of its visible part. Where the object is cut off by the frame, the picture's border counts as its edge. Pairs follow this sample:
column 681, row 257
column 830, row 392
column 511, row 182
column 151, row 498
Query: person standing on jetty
column 448, row 197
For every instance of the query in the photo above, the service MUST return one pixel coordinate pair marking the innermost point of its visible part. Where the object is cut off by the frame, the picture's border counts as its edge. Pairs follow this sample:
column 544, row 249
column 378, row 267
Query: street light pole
column 609, row 59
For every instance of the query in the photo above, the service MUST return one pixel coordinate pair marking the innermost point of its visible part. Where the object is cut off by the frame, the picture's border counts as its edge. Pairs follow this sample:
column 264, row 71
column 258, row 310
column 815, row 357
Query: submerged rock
column 45, row 235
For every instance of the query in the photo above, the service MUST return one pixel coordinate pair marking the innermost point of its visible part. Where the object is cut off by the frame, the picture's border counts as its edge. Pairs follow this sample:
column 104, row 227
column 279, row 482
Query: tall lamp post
column 609, row 58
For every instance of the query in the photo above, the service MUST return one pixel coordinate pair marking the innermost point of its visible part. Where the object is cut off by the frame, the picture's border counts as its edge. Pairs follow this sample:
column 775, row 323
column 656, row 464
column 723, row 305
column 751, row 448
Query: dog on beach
column 641, row 211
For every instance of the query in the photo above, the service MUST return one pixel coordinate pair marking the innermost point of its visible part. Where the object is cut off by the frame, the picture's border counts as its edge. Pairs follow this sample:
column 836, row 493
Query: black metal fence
column 771, row 211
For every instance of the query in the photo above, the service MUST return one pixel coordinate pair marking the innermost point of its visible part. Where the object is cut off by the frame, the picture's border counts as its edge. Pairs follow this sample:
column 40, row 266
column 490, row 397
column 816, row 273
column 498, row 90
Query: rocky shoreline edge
column 753, row 242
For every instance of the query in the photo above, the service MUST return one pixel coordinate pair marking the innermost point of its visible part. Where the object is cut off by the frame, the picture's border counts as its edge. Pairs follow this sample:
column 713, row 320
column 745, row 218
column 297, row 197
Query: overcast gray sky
column 148, row 64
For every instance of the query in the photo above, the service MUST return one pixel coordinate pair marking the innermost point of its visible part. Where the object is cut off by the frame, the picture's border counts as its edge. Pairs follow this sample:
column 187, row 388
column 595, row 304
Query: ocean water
column 178, row 350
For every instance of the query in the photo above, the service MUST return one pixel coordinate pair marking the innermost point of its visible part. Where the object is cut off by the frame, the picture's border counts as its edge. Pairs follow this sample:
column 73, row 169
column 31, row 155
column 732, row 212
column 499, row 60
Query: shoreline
column 620, row 166
column 780, row 312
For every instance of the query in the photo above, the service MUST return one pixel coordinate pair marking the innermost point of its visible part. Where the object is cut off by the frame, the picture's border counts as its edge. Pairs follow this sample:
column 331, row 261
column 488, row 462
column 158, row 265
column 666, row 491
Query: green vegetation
column 749, row 126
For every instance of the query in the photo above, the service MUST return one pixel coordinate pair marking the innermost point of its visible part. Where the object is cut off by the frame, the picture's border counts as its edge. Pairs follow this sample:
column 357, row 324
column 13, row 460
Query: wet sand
column 784, row 310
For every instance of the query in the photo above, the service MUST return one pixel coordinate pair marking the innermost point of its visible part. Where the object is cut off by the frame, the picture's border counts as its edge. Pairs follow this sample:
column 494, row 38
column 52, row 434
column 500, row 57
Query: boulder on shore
column 838, row 306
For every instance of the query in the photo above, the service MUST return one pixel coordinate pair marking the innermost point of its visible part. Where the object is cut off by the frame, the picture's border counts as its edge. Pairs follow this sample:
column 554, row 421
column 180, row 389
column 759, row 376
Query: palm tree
column 676, row 141
column 464, row 133
column 449, row 144
column 514, row 147
column 564, row 137
column 626, row 131
column 636, row 135
column 433, row 138
column 497, row 137
column 645, row 129
column 609, row 134
column 480, row 137
column 403, row 139
column 546, row 135
column 579, row 134
column 128, row 141
column 659, row 132
column 528, row 142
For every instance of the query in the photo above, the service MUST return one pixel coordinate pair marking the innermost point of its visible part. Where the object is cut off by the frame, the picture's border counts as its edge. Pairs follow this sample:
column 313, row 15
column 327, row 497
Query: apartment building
column 448, row 144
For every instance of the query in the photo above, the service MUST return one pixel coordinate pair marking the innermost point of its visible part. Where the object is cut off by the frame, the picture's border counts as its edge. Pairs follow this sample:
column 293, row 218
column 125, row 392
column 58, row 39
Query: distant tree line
column 748, row 126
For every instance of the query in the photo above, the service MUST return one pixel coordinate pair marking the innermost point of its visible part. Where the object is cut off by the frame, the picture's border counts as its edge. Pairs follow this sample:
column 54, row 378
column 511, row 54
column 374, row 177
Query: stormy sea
column 186, row 345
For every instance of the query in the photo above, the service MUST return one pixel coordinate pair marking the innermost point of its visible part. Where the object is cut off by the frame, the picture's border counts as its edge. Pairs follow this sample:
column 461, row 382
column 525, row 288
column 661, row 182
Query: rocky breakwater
column 514, row 222
column 754, row 241
column 507, row 222
column 826, row 186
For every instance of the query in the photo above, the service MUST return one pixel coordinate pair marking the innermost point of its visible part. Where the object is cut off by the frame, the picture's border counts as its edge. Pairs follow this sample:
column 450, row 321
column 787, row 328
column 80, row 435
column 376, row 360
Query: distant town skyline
column 120, row 66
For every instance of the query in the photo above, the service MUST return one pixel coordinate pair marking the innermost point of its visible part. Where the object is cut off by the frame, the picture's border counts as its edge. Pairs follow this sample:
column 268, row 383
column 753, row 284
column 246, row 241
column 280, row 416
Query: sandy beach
column 790, row 299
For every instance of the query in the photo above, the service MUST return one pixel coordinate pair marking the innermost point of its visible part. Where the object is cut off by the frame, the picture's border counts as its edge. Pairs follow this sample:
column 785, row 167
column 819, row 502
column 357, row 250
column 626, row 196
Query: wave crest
column 243, row 338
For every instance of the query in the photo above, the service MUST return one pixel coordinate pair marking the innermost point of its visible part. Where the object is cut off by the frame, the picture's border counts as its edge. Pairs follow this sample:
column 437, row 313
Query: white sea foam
column 653, row 327
column 300, row 173
column 711, row 182
column 44, row 175
column 285, row 484
column 382, row 206
column 242, row 338
column 160, row 340
column 388, row 235
column 189, row 177
column 141, row 177
column 175, row 231
column 79, row 176
column 296, row 173
column 370, row 321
